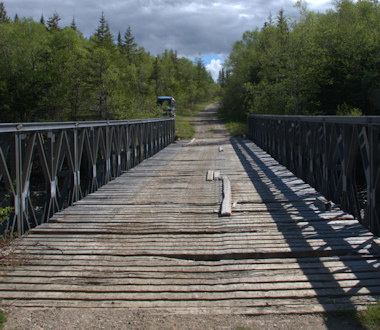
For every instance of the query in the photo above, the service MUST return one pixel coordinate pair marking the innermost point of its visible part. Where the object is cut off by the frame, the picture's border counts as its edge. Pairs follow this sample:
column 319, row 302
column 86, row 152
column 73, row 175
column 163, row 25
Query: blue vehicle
column 168, row 105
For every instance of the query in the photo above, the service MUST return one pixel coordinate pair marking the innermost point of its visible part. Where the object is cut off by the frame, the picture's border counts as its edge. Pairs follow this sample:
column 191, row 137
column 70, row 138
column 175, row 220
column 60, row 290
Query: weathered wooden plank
column 199, row 307
column 226, row 203
column 193, row 295
column 255, row 289
column 210, row 175
column 153, row 239
column 217, row 254
column 319, row 265
column 279, row 280
column 189, row 244
column 261, row 237
column 224, row 264
column 77, row 275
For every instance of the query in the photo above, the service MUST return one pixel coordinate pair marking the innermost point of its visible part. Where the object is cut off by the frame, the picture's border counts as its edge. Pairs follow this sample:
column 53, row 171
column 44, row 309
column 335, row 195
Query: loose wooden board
column 153, row 239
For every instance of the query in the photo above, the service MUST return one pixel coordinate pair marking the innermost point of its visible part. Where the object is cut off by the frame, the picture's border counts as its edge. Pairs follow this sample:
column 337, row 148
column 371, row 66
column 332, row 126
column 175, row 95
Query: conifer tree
column 221, row 78
column 282, row 26
column 130, row 46
column 16, row 20
column 73, row 24
column 56, row 74
column 3, row 14
column 53, row 21
column 119, row 41
column 157, row 76
column 103, row 33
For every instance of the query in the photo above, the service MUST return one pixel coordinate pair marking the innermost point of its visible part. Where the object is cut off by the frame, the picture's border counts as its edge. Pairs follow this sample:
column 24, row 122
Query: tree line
column 49, row 73
column 322, row 64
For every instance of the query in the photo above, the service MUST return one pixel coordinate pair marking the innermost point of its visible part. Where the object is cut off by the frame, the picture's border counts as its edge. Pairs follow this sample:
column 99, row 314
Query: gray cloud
column 192, row 27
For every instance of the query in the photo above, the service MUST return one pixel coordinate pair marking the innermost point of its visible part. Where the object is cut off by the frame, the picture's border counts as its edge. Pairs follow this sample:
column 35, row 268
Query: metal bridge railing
column 45, row 167
column 338, row 156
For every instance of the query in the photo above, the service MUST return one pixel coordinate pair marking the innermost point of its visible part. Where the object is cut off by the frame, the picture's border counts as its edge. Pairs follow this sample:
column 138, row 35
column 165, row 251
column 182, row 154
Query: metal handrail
column 375, row 120
column 45, row 167
column 337, row 155
column 17, row 127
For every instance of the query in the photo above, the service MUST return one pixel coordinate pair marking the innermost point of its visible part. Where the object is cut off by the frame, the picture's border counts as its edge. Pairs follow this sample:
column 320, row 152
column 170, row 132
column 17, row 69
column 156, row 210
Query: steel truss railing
column 339, row 156
column 45, row 167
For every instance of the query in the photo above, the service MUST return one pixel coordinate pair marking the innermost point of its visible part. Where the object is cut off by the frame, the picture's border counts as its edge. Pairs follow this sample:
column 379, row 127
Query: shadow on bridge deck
column 342, row 239
column 152, row 239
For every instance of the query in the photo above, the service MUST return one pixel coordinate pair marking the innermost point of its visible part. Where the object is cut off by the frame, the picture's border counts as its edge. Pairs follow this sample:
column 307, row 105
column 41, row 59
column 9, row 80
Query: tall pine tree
column 73, row 24
column 53, row 21
column 3, row 14
column 103, row 34
column 119, row 41
column 130, row 46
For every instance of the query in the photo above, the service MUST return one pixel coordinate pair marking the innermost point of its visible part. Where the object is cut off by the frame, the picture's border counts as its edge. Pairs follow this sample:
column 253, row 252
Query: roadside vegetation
column 236, row 125
column 321, row 64
column 183, row 127
column 370, row 318
column 3, row 318
column 53, row 73
column 6, row 259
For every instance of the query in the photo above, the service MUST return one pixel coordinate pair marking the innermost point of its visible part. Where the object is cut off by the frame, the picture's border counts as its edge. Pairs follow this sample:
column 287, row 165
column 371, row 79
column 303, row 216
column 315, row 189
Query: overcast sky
column 195, row 28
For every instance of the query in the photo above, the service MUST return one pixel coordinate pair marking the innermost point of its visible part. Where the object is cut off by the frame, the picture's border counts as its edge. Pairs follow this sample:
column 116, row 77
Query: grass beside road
column 184, row 129
column 367, row 319
column 370, row 318
column 237, row 127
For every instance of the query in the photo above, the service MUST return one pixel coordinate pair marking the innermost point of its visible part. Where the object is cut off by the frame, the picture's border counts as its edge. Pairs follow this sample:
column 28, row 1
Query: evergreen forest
column 319, row 64
column 322, row 64
column 49, row 73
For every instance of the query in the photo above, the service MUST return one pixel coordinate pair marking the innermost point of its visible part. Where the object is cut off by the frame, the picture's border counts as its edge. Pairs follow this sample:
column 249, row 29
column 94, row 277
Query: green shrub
column 370, row 318
column 3, row 318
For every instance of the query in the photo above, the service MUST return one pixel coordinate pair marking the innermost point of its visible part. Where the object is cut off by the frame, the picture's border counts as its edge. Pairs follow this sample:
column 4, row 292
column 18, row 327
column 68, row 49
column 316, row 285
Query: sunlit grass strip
column 183, row 127
column 236, row 125
column 184, row 130
column 236, row 128
column 370, row 318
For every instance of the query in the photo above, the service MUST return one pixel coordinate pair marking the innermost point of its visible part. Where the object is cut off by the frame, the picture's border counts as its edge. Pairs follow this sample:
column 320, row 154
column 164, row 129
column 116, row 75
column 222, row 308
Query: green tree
column 119, row 41
column 3, row 14
column 129, row 45
column 73, row 24
column 103, row 34
column 221, row 78
column 103, row 70
column 22, row 72
column 56, row 74
column 53, row 22
column 322, row 63
column 157, row 77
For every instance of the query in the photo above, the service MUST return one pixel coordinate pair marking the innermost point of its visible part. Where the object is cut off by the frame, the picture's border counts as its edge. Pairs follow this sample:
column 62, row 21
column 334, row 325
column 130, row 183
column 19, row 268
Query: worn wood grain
column 154, row 239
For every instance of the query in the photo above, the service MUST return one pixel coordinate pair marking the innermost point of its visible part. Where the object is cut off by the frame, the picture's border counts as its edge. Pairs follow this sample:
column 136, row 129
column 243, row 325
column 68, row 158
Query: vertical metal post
column 141, row 143
column 19, row 214
column 76, row 157
column 107, row 153
column 371, row 189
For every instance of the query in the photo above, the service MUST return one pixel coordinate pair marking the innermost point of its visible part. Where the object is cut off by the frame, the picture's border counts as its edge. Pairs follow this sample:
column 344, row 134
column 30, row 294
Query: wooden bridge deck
column 153, row 239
